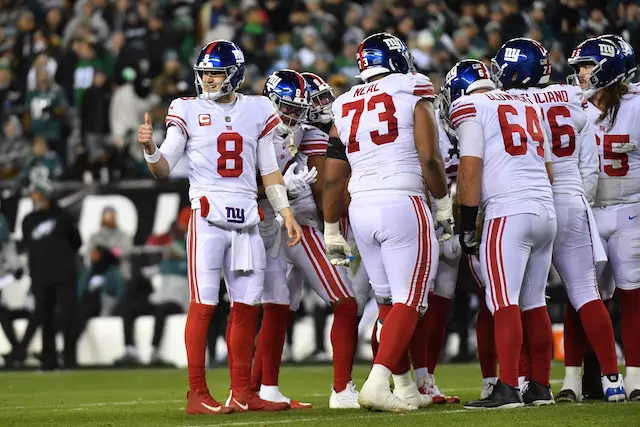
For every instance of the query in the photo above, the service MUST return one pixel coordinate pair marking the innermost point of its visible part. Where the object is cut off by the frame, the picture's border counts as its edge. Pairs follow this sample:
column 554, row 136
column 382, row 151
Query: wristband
column 152, row 158
column 331, row 228
column 468, row 215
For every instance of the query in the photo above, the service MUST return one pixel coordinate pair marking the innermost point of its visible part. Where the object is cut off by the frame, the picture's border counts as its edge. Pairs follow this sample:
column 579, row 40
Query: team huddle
column 353, row 195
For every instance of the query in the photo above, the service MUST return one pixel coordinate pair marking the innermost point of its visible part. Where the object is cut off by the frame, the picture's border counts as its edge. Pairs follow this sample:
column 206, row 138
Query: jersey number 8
column 230, row 148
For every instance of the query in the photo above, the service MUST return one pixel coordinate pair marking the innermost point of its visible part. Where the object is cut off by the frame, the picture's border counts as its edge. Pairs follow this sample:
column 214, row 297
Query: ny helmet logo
column 393, row 43
column 237, row 53
column 511, row 54
column 273, row 81
column 607, row 50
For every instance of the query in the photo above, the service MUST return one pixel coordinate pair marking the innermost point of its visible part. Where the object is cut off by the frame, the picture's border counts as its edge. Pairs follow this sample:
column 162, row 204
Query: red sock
column 228, row 341
column 486, row 342
column 383, row 312
column 575, row 340
column 508, row 331
column 597, row 326
column 396, row 334
column 524, row 364
column 344, row 335
column 436, row 318
column 630, row 310
column 403, row 365
column 418, row 345
column 537, row 333
column 195, row 340
column 243, row 335
column 266, row 365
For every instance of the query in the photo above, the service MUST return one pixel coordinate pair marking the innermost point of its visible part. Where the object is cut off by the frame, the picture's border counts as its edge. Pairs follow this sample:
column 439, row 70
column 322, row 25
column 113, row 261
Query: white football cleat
column 632, row 383
column 376, row 395
column 406, row 390
column 487, row 386
column 571, row 391
column 346, row 399
column 613, row 388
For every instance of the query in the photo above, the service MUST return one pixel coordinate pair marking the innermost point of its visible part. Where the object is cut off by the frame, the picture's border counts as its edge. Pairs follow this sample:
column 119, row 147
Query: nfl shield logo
column 204, row 119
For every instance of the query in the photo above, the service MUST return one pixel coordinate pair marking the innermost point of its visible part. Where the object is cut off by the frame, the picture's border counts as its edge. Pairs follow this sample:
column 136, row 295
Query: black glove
column 467, row 237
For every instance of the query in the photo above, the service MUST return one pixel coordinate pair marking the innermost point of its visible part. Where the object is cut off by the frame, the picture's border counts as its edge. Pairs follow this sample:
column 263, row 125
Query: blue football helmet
column 289, row 94
column 465, row 77
column 627, row 51
column 321, row 94
column 521, row 63
column 383, row 53
column 220, row 56
column 607, row 59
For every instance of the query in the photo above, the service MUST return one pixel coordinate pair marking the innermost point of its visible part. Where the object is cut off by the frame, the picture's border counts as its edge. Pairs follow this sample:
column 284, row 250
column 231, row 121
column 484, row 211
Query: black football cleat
column 591, row 383
column 566, row 396
column 537, row 394
column 503, row 396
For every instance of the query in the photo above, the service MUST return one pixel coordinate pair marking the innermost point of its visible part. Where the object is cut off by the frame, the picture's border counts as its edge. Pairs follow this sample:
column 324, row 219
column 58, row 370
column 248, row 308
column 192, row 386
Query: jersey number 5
column 388, row 115
column 508, row 129
column 230, row 148
column 609, row 154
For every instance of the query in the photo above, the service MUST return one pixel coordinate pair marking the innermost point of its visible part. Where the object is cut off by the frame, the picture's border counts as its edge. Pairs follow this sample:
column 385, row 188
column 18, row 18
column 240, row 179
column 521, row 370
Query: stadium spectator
column 95, row 126
column 13, row 148
column 41, row 164
column 52, row 240
column 47, row 106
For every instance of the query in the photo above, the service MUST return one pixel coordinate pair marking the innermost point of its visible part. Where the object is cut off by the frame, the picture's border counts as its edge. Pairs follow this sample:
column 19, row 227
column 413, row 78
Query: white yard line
column 75, row 406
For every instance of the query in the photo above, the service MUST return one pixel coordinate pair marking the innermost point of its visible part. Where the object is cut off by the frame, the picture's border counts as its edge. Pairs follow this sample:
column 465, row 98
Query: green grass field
column 147, row 397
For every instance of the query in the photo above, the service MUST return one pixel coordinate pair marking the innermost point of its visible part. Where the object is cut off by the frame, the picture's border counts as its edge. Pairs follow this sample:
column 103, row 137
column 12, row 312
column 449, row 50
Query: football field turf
column 156, row 397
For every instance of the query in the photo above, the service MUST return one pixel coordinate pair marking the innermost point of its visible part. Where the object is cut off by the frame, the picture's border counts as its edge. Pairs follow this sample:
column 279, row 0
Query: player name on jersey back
column 222, row 150
column 514, row 176
column 375, row 122
column 619, row 151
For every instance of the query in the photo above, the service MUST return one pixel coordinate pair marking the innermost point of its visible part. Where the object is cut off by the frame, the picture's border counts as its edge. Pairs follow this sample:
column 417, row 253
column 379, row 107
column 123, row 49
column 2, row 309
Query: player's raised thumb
column 147, row 119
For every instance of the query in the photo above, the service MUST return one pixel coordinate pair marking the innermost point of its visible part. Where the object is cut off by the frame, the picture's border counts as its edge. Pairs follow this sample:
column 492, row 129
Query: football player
column 600, row 71
column 523, row 66
column 444, row 289
column 505, row 168
column 385, row 136
column 299, row 147
column 228, row 138
column 629, row 58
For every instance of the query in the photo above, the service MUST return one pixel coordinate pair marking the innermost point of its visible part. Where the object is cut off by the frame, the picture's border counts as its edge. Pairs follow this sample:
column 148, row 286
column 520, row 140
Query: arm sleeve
column 588, row 161
column 173, row 146
column 471, row 139
column 266, row 154
column 336, row 149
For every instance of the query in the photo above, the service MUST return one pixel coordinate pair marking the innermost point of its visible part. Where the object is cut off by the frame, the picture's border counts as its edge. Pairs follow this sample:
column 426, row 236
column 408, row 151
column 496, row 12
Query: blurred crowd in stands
column 76, row 76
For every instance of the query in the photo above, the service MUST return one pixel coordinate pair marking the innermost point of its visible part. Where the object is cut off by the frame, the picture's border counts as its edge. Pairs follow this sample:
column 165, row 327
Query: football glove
column 450, row 249
column 444, row 217
column 468, row 242
column 338, row 250
column 297, row 183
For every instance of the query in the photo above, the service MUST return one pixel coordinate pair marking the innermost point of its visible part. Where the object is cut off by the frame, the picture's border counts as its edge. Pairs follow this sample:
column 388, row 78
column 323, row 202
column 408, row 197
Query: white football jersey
column 307, row 141
column 375, row 122
column 514, row 175
column 619, row 151
column 635, row 87
column 573, row 146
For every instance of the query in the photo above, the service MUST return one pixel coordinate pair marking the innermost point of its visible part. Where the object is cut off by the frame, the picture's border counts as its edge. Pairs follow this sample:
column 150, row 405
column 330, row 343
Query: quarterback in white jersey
column 505, row 169
column 615, row 111
column 575, row 173
column 228, row 138
column 385, row 136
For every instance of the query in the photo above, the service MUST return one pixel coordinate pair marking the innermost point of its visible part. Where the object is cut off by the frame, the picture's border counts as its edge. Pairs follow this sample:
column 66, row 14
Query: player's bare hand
column 293, row 229
column 145, row 131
